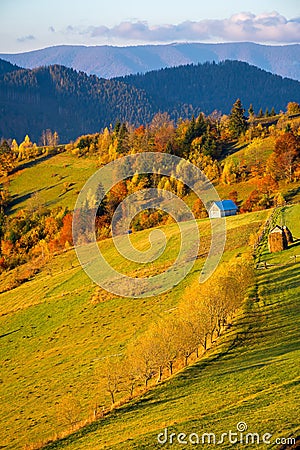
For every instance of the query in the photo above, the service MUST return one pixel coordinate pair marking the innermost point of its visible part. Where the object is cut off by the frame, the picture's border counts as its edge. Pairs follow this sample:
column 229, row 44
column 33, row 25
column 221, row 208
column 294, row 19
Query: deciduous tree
column 286, row 152
column 7, row 159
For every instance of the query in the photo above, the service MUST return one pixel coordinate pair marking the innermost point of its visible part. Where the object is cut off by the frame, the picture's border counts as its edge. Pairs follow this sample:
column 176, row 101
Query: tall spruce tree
column 237, row 120
column 260, row 113
column 251, row 111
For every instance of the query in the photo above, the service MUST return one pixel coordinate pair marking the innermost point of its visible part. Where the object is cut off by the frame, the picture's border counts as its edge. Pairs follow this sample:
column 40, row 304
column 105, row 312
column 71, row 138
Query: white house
column 222, row 209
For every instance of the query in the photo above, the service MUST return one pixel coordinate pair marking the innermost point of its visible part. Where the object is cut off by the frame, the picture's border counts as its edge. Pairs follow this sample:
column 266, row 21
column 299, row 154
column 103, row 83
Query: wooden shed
column 277, row 240
column 288, row 234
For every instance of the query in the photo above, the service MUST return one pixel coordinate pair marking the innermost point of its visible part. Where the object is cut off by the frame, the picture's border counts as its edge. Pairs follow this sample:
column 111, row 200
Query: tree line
column 202, row 140
column 190, row 329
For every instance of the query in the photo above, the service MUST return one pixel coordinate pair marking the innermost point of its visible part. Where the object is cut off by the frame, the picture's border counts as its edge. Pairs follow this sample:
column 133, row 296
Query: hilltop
column 209, row 86
column 6, row 67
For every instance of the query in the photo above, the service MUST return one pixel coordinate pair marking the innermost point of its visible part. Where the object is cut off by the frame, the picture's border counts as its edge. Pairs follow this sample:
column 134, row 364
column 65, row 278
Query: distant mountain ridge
column 109, row 61
column 74, row 103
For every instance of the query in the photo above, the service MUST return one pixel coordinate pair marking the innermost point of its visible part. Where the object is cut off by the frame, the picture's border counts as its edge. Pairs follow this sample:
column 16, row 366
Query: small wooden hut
column 277, row 240
column 288, row 234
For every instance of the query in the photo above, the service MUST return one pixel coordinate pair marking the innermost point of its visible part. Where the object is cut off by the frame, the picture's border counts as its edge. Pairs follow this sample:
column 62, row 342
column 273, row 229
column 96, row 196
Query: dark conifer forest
column 73, row 103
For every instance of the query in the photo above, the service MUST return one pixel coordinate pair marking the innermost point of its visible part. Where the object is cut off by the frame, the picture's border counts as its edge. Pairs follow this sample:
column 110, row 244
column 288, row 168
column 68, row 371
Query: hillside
column 59, row 331
column 249, row 377
column 55, row 337
column 206, row 87
column 6, row 67
column 47, row 177
column 64, row 100
column 73, row 103
column 51, row 323
column 109, row 61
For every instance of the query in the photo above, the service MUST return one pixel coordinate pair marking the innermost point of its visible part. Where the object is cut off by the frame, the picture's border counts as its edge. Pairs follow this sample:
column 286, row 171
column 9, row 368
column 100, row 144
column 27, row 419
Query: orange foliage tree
column 286, row 152
column 66, row 238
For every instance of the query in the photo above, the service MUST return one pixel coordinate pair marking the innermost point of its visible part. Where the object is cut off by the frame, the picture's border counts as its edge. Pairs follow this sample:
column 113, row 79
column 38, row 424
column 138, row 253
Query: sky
column 33, row 24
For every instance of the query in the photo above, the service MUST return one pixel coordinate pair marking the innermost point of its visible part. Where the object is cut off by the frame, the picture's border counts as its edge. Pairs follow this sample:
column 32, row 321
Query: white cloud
column 29, row 37
column 244, row 26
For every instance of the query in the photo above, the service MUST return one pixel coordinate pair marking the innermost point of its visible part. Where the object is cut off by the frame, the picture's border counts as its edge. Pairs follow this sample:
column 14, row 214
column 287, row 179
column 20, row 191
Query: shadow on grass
column 292, row 193
column 18, row 199
column 283, row 276
column 32, row 163
column 245, row 335
column 296, row 243
column 149, row 399
column 10, row 332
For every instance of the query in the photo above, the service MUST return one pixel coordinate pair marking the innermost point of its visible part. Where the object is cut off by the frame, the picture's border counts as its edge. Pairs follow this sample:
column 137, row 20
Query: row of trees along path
column 185, row 331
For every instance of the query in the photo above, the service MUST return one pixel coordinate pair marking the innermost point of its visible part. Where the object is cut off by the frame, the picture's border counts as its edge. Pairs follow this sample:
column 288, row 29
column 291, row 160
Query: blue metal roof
column 226, row 205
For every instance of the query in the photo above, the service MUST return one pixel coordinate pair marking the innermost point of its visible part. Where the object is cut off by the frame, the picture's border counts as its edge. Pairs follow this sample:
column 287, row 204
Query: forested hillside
column 210, row 86
column 6, row 67
column 62, row 99
column 73, row 103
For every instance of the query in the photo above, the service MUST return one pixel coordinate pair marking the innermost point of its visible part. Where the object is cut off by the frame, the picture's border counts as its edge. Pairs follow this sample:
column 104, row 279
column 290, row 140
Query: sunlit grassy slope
column 252, row 375
column 46, row 177
column 255, row 153
column 54, row 339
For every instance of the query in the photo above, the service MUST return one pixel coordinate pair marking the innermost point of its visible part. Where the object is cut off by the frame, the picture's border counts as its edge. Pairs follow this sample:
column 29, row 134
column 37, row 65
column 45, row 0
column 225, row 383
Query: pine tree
column 117, row 127
column 195, row 129
column 122, row 146
column 260, row 113
column 251, row 111
column 237, row 120
column 200, row 125
column 189, row 135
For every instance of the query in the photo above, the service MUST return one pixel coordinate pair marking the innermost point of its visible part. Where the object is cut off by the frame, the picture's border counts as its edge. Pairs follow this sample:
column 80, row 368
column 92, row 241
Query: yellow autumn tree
column 27, row 149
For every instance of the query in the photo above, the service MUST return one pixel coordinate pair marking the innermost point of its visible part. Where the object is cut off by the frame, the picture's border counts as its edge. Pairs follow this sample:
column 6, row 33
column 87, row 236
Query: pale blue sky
column 33, row 24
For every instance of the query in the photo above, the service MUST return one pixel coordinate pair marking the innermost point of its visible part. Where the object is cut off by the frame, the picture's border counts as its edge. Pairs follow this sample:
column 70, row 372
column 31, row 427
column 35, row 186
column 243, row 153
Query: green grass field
column 251, row 376
column 55, row 339
column 46, row 177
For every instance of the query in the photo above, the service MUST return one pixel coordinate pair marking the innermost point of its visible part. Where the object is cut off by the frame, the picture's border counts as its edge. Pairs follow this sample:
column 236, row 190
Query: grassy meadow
column 252, row 375
column 55, row 338
column 48, row 177
column 58, row 330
